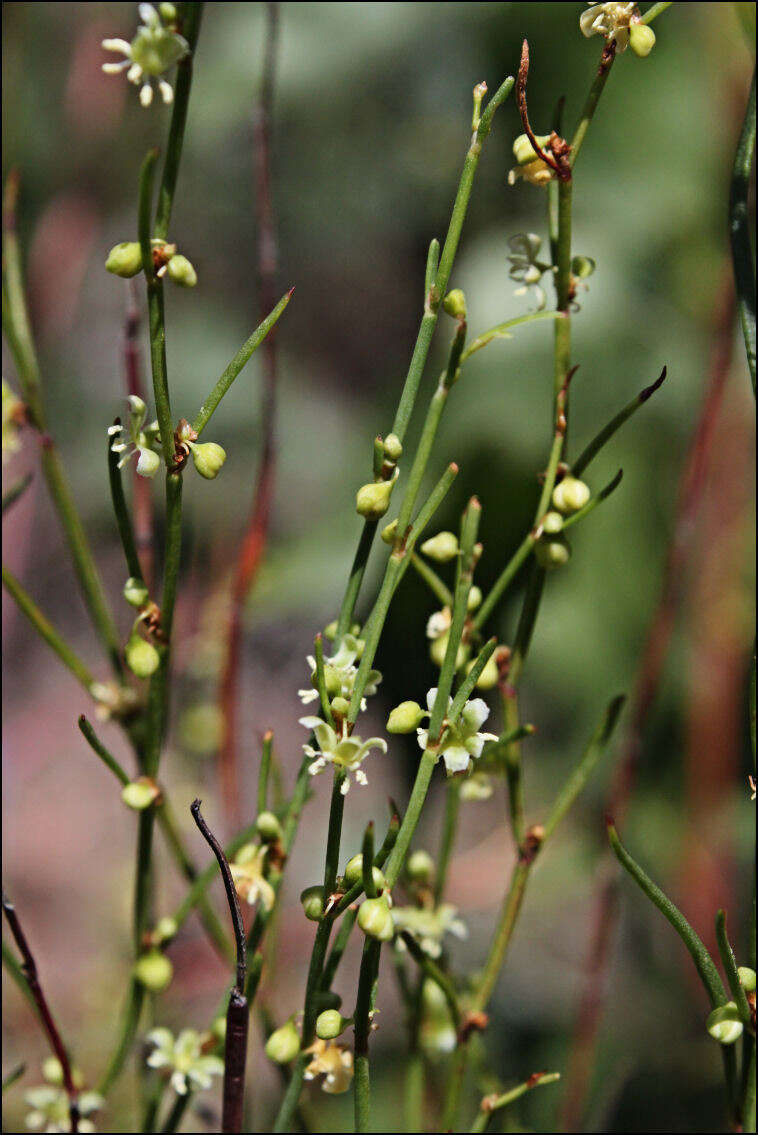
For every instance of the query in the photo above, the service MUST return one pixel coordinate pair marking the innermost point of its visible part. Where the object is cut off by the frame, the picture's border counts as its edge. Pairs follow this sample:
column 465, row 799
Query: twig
column 143, row 497
column 556, row 161
column 237, row 1014
column 29, row 969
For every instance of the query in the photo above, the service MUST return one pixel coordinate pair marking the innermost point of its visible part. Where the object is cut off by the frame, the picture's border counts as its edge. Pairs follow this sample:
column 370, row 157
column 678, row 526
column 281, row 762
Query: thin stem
column 433, row 971
column 655, row 10
column 361, row 1079
column 590, row 452
column 439, row 589
column 466, row 687
column 739, row 229
column 143, row 498
column 190, row 29
column 123, row 520
column 491, row 1104
column 16, row 491
column 452, row 807
column 730, row 968
column 263, row 773
column 355, row 579
column 100, row 750
column 590, row 106
column 29, row 970
column 127, row 1032
column 46, row 630
column 176, row 1114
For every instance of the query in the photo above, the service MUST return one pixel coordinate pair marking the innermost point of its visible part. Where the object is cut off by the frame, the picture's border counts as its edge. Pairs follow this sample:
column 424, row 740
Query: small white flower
column 439, row 623
column 189, row 1068
column 248, row 874
column 332, row 1061
column 461, row 741
column 429, row 927
column 142, row 439
column 525, row 268
column 610, row 21
column 153, row 50
column 340, row 673
column 51, row 1110
column 13, row 417
column 344, row 752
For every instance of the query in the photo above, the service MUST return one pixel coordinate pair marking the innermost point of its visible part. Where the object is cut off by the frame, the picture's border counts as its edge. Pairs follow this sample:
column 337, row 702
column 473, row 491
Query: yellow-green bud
column 284, row 1044
column 474, row 598
column 582, row 267
column 442, row 547
column 552, row 523
column 570, row 495
column 389, row 532
column 331, row 630
column 312, row 899
column 52, row 1070
column 393, row 447
column 168, row 13
column 339, row 706
column 454, row 304
column 332, row 681
column 165, row 929
column 487, row 680
column 125, row 259
column 641, row 40
column 405, row 717
column 135, row 592
column 724, row 1023
column 747, row 978
column 218, row 1028
column 154, row 971
column 208, row 458
column 375, row 919
column 373, row 500
column 268, row 827
column 330, row 1024
column 523, row 150
column 354, row 873
column 420, row 867
column 438, row 650
column 141, row 656
column 181, row 271
column 140, row 794
column 553, row 553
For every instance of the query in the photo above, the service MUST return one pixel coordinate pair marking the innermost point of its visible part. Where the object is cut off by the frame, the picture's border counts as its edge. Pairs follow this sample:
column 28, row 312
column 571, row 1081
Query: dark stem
column 562, row 169
column 143, row 497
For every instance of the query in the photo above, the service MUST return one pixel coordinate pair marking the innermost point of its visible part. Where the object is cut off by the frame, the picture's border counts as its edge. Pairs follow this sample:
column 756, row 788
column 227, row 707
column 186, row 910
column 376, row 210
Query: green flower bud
column 442, row 547
column 454, row 304
column 330, row 1024
column 218, row 1028
column 524, row 152
column 641, row 40
column 340, row 707
column 552, row 523
column 125, row 259
column 332, row 681
column 354, row 873
column 208, row 458
column 438, row 650
column 331, row 630
column 724, row 1023
column 284, row 1044
column 747, row 978
column 312, row 899
column 570, row 495
column 168, row 13
column 389, row 532
column 474, row 598
column 393, row 447
column 154, row 971
column 268, row 827
column 375, row 919
column 165, row 929
column 582, row 267
column 373, row 500
column 487, row 680
column 52, row 1070
column 181, row 271
column 135, row 592
column 405, row 717
column 420, row 867
column 141, row 656
column 553, row 553
column 140, row 794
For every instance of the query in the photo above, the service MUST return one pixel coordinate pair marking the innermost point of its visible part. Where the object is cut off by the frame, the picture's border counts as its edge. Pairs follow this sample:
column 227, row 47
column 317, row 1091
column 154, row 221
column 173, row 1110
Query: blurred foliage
column 372, row 115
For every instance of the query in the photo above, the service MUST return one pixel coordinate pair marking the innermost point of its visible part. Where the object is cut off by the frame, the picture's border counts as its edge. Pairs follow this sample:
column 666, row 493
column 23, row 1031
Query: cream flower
column 153, row 50
column 333, row 1062
column 13, row 417
column 190, row 1069
column 344, row 752
column 536, row 172
column 248, row 873
column 340, row 672
column 610, row 21
column 461, row 741
column 51, row 1110
column 142, row 439
column 439, row 623
column 525, row 268
column 429, row 927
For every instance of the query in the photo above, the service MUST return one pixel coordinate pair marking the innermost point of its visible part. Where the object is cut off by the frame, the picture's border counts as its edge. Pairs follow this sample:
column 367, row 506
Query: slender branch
column 590, row 452
column 190, row 29
column 730, row 968
column 439, row 589
column 16, row 491
column 491, row 1104
column 143, row 496
column 123, row 520
column 46, row 630
column 100, row 750
column 29, row 969
column 739, row 229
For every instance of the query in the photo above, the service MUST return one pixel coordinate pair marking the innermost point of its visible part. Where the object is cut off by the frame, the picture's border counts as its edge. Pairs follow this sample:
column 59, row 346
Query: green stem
column 129, row 1024
column 46, row 630
column 591, row 451
column 123, row 520
column 16, row 491
column 730, row 968
column 739, row 229
column 655, row 10
column 355, row 579
column 450, row 823
column 590, row 106
column 432, row 580
column 502, row 329
column 433, row 971
column 361, row 1079
column 263, row 773
column 100, row 750
column 14, row 970
column 492, row 1104
column 503, row 933
column 190, row 29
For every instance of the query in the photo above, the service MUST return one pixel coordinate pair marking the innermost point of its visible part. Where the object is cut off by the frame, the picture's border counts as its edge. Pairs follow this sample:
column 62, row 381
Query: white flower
column 344, row 752
column 153, row 50
column 333, row 1062
column 340, row 672
column 429, row 927
column 478, row 786
column 438, row 623
column 537, row 172
column 184, row 1056
column 51, row 1109
column 13, row 417
column 249, row 881
column 610, row 21
column 525, row 268
column 113, row 700
column 142, row 439
column 461, row 741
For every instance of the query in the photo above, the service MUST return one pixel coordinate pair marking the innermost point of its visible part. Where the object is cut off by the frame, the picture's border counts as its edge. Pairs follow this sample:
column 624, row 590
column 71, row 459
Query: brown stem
column 557, row 162
column 143, row 498
column 29, row 968
column 691, row 485
column 254, row 540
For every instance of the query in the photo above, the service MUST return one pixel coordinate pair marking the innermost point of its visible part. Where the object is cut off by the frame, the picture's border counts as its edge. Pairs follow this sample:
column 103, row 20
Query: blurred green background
column 372, row 113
